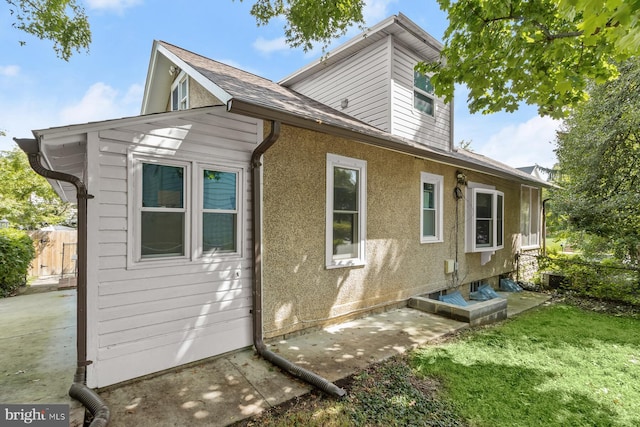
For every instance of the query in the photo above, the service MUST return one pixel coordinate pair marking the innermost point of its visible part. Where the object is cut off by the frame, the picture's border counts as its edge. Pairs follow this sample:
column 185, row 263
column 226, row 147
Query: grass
column 555, row 366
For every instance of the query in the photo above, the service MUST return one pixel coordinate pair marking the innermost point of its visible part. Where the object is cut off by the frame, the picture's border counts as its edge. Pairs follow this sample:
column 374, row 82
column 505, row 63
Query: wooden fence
column 55, row 253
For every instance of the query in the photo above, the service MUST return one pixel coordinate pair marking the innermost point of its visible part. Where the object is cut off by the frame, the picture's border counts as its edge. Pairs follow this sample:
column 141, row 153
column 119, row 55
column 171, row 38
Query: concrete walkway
column 38, row 351
column 230, row 388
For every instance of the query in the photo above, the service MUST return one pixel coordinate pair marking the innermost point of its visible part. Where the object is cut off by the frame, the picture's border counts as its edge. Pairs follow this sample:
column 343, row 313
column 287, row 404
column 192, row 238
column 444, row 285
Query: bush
column 16, row 253
column 605, row 280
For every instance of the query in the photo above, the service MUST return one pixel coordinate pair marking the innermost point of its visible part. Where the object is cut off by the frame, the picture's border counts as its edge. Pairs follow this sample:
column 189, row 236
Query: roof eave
column 238, row 106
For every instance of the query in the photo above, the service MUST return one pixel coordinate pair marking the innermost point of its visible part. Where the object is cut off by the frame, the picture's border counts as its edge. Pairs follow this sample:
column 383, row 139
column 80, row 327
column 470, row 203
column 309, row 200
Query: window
column 529, row 216
column 180, row 93
column 185, row 211
column 423, row 99
column 485, row 219
column 431, row 208
column 219, row 211
column 163, row 210
column 346, row 211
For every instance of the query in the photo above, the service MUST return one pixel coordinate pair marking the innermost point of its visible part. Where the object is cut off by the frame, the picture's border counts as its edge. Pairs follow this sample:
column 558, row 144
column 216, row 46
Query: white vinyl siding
column 346, row 214
column 530, row 217
column 407, row 121
column 362, row 79
column 431, row 208
column 378, row 84
column 149, row 316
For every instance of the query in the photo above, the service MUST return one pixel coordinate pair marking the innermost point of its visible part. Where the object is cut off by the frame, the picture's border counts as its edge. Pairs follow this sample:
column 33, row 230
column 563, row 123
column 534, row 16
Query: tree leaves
column 538, row 52
column 599, row 155
column 26, row 199
column 61, row 21
column 310, row 22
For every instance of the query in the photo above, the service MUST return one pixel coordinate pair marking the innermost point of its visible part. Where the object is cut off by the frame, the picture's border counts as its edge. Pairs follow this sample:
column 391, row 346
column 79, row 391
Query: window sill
column 181, row 262
column 530, row 248
column 346, row 264
column 488, row 249
column 434, row 240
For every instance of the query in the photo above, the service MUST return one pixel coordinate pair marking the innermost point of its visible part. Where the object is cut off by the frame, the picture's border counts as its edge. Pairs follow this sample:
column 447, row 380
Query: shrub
column 16, row 253
column 604, row 280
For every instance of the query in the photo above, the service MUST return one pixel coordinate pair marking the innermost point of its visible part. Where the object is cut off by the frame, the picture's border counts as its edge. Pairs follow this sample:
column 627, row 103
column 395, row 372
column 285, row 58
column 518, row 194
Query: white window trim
column 438, row 184
column 474, row 188
column 539, row 215
column 424, row 93
column 334, row 160
column 138, row 209
column 198, row 251
column 182, row 97
column 192, row 200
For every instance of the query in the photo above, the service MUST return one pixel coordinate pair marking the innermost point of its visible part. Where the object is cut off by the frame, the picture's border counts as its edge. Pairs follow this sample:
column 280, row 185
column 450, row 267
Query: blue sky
column 39, row 90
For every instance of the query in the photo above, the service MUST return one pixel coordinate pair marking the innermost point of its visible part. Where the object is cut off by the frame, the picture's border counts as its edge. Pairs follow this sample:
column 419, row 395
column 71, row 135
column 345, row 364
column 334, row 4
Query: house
column 328, row 195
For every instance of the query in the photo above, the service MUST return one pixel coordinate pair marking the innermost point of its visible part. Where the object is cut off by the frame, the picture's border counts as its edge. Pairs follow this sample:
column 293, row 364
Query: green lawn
column 558, row 366
column 554, row 366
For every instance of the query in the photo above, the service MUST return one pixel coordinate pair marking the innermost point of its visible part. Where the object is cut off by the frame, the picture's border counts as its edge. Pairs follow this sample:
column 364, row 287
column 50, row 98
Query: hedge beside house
column 16, row 253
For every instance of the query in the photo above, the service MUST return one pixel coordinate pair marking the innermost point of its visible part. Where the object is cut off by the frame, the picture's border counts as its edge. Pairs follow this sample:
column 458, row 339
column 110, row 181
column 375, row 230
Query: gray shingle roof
column 254, row 95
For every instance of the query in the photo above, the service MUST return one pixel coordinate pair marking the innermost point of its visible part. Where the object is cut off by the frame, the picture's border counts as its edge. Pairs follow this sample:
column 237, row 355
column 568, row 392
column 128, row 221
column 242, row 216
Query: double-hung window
column 163, row 210
column 423, row 97
column 485, row 219
column 219, row 211
column 431, row 208
column 346, row 211
column 180, row 93
column 184, row 211
column 529, row 217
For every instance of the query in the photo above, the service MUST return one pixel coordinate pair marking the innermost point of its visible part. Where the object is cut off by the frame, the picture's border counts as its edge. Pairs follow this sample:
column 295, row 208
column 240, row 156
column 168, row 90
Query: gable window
column 219, row 211
column 163, row 210
column 346, row 211
column 485, row 219
column 180, row 93
column 423, row 99
column 529, row 217
column 431, row 208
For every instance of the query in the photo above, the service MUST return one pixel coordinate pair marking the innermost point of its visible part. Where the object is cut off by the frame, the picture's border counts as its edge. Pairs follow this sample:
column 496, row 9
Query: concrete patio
column 38, row 363
column 230, row 388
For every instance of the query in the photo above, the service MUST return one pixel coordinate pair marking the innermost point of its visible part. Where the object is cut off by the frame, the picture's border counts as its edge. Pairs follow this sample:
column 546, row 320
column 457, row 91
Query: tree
column 310, row 21
column 26, row 199
column 541, row 52
column 61, row 21
column 599, row 158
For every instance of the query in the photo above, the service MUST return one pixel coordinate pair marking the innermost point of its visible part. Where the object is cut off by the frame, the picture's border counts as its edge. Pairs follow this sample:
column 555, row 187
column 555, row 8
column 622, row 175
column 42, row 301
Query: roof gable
column 159, row 77
column 398, row 26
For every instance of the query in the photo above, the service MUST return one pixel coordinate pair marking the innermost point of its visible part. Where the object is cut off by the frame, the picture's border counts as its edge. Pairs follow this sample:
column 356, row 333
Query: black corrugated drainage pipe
column 258, row 339
column 79, row 390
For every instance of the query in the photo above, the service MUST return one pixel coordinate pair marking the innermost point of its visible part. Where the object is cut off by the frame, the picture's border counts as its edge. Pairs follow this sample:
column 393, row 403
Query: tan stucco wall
column 299, row 292
column 198, row 96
